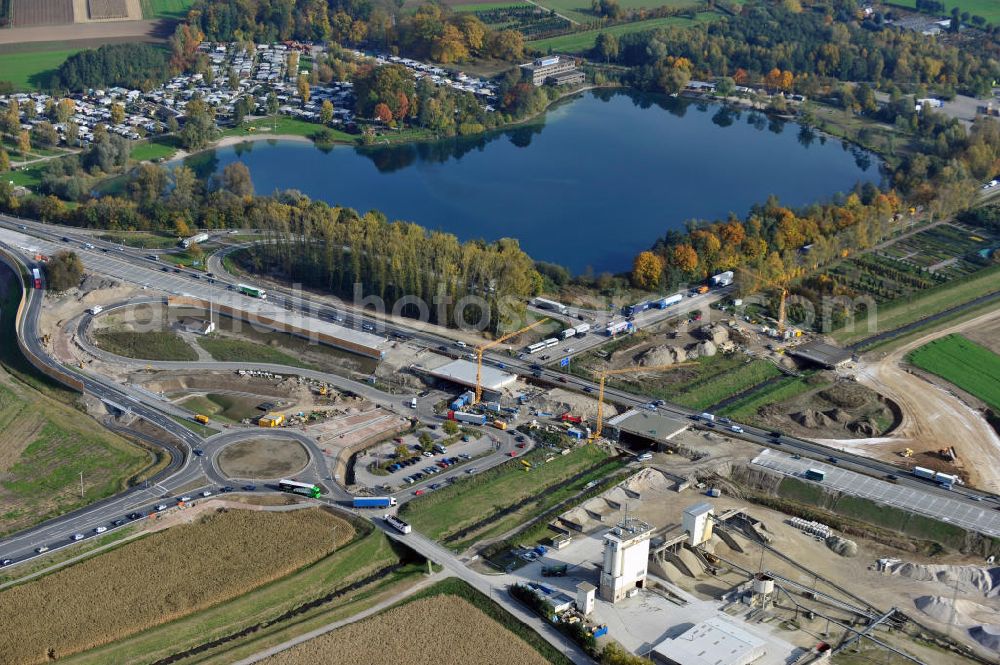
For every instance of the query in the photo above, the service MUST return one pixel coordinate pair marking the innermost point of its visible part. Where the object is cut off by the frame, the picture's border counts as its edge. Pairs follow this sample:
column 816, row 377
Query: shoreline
column 227, row 141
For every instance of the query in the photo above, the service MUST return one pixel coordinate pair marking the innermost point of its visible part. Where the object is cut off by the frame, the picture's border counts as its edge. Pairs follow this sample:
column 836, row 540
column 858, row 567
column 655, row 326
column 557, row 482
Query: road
column 131, row 266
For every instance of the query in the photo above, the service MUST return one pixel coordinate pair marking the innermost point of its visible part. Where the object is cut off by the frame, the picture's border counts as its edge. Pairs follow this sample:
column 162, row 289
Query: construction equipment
column 781, row 285
column 908, row 452
column 488, row 345
column 627, row 370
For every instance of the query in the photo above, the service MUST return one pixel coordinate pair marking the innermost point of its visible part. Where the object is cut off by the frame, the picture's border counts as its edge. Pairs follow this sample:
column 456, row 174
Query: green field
column 988, row 9
column 223, row 407
column 488, row 6
column 580, row 42
column 32, row 71
column 931, row 301
column 142, row 239
column 175, row 9
column 973, row 368
column 286, row 126
column 579, row 10
column 237, row 350
column 472, row 499
column 146, row 345
column 781, row 390
column 162, row 147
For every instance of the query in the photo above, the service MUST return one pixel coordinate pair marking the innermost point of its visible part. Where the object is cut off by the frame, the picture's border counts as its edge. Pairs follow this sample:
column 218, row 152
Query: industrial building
column 626, row 554
column 645, row 428
column 714, row 641
column 463, row 372
column 559, row 68
column 697, row 522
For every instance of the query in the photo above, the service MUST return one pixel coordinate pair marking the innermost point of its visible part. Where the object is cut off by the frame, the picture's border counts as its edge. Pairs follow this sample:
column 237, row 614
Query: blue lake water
column 600, row 178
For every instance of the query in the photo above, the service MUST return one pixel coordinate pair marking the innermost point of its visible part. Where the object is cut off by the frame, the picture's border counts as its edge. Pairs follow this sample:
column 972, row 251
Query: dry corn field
column 160, row 578
column 105, row 9
column 431, row 631
column 42, row 12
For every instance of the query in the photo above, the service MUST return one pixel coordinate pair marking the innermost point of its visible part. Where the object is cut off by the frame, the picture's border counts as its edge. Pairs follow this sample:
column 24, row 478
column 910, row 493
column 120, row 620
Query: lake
column 595, row 181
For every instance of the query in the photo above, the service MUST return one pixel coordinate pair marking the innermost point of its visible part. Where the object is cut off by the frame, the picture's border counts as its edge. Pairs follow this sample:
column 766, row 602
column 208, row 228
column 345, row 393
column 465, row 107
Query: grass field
column 32, row 71
column 146, row 345
column 238, row 350
column 162, row 147
column 142, row 239
column 260, row 608
column 579, row 10
column 988, row 9
column 783, row 389
column 229, row 408
column 219, row 557
column 428, row 626
column 175, row 9
column 580, row 42
column 46, row 442
column 973, row 368
column 924, row 304
column 472, row 499
column 488, row 6
column 287, row 126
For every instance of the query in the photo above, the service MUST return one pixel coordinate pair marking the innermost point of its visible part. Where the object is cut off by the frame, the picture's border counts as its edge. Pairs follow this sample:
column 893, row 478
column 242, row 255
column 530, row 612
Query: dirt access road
column 101, row 32
column 933, row 415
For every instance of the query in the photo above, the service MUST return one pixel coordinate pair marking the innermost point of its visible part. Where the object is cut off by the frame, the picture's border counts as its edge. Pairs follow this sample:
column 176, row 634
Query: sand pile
column 988, row 635
column 969, row 579
column 649, row 480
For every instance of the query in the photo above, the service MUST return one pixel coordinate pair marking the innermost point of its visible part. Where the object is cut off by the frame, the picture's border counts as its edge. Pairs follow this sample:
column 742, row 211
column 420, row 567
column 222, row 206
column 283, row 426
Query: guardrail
column 13, row 262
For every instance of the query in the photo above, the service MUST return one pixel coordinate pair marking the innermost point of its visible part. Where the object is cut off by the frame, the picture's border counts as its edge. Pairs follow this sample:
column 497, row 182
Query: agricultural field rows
column 973, row 368
column 160, row 578
column 42, row 12
column 580, row 10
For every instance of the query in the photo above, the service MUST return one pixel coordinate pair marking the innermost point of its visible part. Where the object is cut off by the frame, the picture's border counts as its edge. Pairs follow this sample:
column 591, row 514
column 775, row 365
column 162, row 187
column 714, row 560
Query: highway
column 131, row 265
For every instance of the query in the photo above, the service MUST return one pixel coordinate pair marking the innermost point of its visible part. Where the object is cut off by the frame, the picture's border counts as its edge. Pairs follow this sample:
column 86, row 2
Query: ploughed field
column 160, row 578
column 42, row 12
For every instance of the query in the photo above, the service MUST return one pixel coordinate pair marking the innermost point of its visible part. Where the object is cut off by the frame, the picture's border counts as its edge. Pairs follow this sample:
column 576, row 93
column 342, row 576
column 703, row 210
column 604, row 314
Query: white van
column 413, row 403
column 645, row 457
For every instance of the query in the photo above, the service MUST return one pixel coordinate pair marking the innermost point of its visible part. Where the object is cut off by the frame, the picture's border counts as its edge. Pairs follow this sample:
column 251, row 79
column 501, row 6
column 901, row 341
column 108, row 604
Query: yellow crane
column 781, row 285
column 627, row 370
column 489, row 345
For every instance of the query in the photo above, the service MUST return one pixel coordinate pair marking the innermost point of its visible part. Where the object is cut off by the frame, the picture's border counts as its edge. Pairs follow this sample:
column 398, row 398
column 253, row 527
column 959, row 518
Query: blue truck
column 374, row 501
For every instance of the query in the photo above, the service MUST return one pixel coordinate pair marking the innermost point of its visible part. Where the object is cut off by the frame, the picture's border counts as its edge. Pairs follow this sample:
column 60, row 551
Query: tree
column 44, row 134
column 303, row 87
column 199, row 127
column 148, row 184
column 4, row 160
column 63, row 271
column 607, row 46
column 64, row 110
column 117, row 114
column 449, row 47
column 646, row 270
column 293, row 64
column 272, row 103
column 614, row 654
column 426, row 441
column 181, row 228
column 684, row 258
column 12, row 119
column 236, row 179
column 450, row 427
column 23, row 143
column 725, row 86
column 382, row 113
column 507, row 45
column 326, row 112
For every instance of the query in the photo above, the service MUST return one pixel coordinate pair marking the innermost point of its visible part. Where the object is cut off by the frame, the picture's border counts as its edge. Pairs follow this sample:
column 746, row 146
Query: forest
column 813, row 47
column 140, row 66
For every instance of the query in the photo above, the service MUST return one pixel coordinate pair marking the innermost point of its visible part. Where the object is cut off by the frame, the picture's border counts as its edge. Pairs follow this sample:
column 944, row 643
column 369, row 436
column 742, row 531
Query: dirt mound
column 987, row 635
column 649, row 480
column 847, row 395
column 842, row 546
column 968, row 579
column 706, row 349
column 863, row 427
column 92, row 282
column 660, row 355
column 810, row 418
column 838, row 415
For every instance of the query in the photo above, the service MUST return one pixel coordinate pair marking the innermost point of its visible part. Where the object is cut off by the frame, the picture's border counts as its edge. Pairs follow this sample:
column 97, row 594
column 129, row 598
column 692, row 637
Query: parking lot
column 985, row 520
column 462, row 452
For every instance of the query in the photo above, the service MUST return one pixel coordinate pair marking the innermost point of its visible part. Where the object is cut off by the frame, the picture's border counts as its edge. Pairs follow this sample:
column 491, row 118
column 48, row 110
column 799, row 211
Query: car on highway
column 165, row 269
column 22, row 227
column 418, row 492
column 513, row 453
column 6, row 562
column 249, row 488
column 471, row 469
column 42, row 549
column 435, row 486
column 183, row 499
column 117, row 522
column 588, row 389
column 207, row 493
column 198, row 452
column 831, row 460
column 562, row 379
column 100, row 529
column 161, row 507
column 78, row 536
column 227, row 488
column 134, row 516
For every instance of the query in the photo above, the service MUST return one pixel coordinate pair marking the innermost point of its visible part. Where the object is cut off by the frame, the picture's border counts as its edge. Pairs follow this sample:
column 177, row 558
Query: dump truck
column 201, row 419
column 374, row 501
column 499, row 424
column 271, row 420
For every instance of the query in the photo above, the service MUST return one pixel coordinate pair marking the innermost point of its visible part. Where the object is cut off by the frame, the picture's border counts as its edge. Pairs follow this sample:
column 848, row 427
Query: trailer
column 397, row 524
column 923, row 472
column 544, row 344
column 465, row 417
column 619, row 327
column 566, row 334
column 946, row 480
column 722, row 279
column 664, row 303
column 194, row 240
column 374, row 501
column 582, row 329
column 545, row 303
column 36, row 278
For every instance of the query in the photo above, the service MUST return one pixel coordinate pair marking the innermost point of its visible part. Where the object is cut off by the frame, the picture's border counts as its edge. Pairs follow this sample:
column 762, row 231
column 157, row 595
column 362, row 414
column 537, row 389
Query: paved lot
column 985, row 520
column 474, row 448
